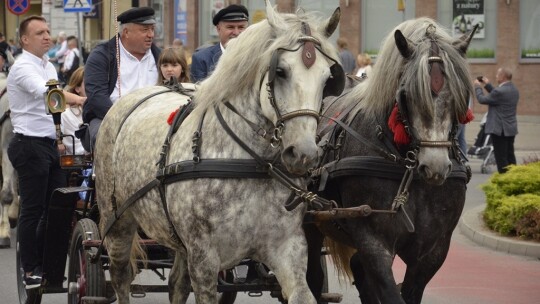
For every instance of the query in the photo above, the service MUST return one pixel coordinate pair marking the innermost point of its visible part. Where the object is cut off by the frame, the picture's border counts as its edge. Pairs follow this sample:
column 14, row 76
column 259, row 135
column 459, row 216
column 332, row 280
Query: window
column 529, row 24
column 379, row 18
column 461, row 15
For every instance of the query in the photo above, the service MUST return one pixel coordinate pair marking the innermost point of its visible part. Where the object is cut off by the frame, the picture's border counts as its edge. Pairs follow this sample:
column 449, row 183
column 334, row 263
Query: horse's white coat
column 219, row 221
column 9, row 198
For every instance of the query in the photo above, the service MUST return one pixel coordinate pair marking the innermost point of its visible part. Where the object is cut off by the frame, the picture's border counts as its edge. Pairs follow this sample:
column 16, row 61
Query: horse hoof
column 13, row 223
column 5, row 242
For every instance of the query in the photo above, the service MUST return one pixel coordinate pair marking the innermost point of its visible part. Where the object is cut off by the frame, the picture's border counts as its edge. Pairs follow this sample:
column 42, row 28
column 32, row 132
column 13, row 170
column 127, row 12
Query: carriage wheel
column 226, row 297
column 26, row 296
column 84, row 278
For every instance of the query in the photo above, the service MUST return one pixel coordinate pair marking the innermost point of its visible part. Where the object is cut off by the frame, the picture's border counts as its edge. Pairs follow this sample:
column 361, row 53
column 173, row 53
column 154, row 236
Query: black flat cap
column 232, row 12
column 139, row 15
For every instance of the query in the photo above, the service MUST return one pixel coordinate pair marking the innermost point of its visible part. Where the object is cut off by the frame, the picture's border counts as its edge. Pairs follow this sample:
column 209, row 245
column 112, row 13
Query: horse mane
column 392, row 70
column 248, row 57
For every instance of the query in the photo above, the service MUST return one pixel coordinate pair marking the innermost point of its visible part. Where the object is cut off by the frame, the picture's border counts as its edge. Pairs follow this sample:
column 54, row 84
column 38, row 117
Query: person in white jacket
column 72, row 60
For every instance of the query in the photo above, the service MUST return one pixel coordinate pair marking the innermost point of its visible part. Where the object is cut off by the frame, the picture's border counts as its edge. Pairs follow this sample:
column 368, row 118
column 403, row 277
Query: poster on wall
column 466, row 14
column 180, row 20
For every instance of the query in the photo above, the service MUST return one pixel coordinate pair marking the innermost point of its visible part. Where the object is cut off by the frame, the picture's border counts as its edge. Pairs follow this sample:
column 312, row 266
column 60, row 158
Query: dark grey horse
column 414, row 175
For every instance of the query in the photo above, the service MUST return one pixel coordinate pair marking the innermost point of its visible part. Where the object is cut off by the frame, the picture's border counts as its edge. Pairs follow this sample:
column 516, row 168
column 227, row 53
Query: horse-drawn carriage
column 228, row 181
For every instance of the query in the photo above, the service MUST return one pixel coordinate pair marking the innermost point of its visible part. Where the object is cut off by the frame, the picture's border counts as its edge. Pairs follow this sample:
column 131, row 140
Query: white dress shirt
column 135, row 74
column 26, row 88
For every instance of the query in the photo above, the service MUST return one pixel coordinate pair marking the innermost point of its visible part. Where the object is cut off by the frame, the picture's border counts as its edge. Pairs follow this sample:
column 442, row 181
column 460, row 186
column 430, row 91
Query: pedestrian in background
column 345, row 56
column 72, row 58
column 501, row 120
column 59, row 56
column 138, row 67
column 229, row 22
column 363, row 65
column 34, row 151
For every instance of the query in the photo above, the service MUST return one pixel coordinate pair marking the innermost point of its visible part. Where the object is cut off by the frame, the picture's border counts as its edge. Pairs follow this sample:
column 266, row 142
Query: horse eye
column 281, row 72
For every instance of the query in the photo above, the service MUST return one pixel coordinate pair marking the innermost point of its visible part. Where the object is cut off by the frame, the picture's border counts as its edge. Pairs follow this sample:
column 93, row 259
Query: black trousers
column 37, row 162
column 503, row 147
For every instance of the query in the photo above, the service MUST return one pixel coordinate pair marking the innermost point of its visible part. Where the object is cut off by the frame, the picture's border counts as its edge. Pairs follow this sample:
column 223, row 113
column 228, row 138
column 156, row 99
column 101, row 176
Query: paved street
column 472, row 274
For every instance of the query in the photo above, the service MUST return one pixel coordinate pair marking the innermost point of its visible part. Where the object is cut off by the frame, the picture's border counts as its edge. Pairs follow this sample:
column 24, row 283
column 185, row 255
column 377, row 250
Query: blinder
column 336, row 83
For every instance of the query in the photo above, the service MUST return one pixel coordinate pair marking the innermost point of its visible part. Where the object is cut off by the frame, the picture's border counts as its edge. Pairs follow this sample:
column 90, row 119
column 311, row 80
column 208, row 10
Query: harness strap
column 4, row 91
column 5, row 116
column 305, row 196
column 118, row 212
column 393, row 157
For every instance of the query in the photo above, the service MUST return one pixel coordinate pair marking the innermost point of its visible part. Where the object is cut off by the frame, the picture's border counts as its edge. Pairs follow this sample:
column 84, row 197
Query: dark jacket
column 502, row 101
column 204, row 61
column 100, row 76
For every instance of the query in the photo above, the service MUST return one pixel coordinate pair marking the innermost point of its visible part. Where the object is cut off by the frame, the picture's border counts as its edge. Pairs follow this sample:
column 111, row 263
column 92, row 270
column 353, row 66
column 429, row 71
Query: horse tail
column 341, row 255
column 138, row 253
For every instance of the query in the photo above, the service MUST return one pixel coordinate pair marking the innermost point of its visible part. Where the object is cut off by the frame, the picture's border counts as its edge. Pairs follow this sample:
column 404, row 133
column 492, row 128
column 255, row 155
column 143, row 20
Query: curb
column 472, row 225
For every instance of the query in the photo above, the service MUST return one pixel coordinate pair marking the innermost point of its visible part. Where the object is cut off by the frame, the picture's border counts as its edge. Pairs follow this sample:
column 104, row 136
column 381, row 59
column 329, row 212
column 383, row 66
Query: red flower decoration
column 397, row 127
column 171, row 117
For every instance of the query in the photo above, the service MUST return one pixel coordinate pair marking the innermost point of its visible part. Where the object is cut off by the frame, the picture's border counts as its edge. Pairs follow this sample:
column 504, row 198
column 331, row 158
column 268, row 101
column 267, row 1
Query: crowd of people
column 127, row 62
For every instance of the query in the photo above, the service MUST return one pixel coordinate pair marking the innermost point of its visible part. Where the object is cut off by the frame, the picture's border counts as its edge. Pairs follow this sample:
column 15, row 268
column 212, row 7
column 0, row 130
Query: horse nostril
column 289, row 154
column 424, row 170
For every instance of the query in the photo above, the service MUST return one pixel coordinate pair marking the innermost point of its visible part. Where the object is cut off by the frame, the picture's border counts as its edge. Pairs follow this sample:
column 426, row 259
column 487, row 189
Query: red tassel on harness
column 171, row 117
column 397, row 127
column 468, row 117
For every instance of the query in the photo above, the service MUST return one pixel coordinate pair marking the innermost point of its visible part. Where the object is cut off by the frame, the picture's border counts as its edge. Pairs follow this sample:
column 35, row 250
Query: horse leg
column 361, row 281
column 315, row 274
column 5, row 241
column 289, row 263
column 13, row 211
column 203, row 264
column 119, row 243
column 420, row 271
column 179, row 282
column 376, row 263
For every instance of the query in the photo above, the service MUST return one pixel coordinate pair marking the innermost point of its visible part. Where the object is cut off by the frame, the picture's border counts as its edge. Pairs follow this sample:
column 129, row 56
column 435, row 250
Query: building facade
column 509, row 33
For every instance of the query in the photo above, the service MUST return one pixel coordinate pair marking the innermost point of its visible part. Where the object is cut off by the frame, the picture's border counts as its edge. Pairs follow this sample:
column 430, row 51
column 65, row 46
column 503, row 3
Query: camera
column 480, row 78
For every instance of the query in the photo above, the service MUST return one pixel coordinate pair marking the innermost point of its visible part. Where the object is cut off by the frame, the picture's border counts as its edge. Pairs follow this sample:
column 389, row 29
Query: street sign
column 77, row 6
column 18, row 7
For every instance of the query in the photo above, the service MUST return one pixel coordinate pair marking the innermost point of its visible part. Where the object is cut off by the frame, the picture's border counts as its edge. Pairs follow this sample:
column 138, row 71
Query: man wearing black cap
column 229, row 22
column 138, row 58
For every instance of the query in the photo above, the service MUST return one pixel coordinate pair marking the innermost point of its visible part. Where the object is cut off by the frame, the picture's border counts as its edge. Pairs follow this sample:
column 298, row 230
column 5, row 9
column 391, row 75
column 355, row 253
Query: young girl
column 172, row 62
column 72, row 117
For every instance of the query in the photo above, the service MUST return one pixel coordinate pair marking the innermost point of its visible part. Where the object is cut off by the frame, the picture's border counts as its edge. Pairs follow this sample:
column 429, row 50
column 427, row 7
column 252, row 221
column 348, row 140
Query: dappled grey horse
column 262, row 102
column 9, row 198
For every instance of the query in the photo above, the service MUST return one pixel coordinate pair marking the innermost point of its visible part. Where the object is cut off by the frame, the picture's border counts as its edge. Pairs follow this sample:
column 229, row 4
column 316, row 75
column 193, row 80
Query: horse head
column 302, row 71
column 432, row 94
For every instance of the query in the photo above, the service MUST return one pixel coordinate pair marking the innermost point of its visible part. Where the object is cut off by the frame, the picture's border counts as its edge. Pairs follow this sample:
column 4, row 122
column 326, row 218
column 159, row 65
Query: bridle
column 436, row 73
column 334, row 86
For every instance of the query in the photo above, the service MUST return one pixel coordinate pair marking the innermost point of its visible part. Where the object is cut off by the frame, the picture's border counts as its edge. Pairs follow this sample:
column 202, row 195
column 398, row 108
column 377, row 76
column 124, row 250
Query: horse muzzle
column 299, row 157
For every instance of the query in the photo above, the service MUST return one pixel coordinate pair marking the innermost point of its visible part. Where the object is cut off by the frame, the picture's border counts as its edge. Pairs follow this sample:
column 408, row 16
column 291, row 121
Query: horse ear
column 462, row 44
column 331, row 24
column 271, row 15
column 402, row 44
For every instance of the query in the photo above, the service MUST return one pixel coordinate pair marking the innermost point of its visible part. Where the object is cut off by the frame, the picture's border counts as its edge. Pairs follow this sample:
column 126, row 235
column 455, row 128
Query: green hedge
column 513, row 201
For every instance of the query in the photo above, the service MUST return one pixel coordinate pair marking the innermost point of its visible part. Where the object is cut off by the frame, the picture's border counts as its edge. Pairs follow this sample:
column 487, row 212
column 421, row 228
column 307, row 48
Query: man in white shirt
column 138, row 67
column 34, row 151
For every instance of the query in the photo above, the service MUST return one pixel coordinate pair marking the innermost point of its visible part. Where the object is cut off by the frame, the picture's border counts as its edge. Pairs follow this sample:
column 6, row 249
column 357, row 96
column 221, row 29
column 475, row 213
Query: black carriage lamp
column 55, row 104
